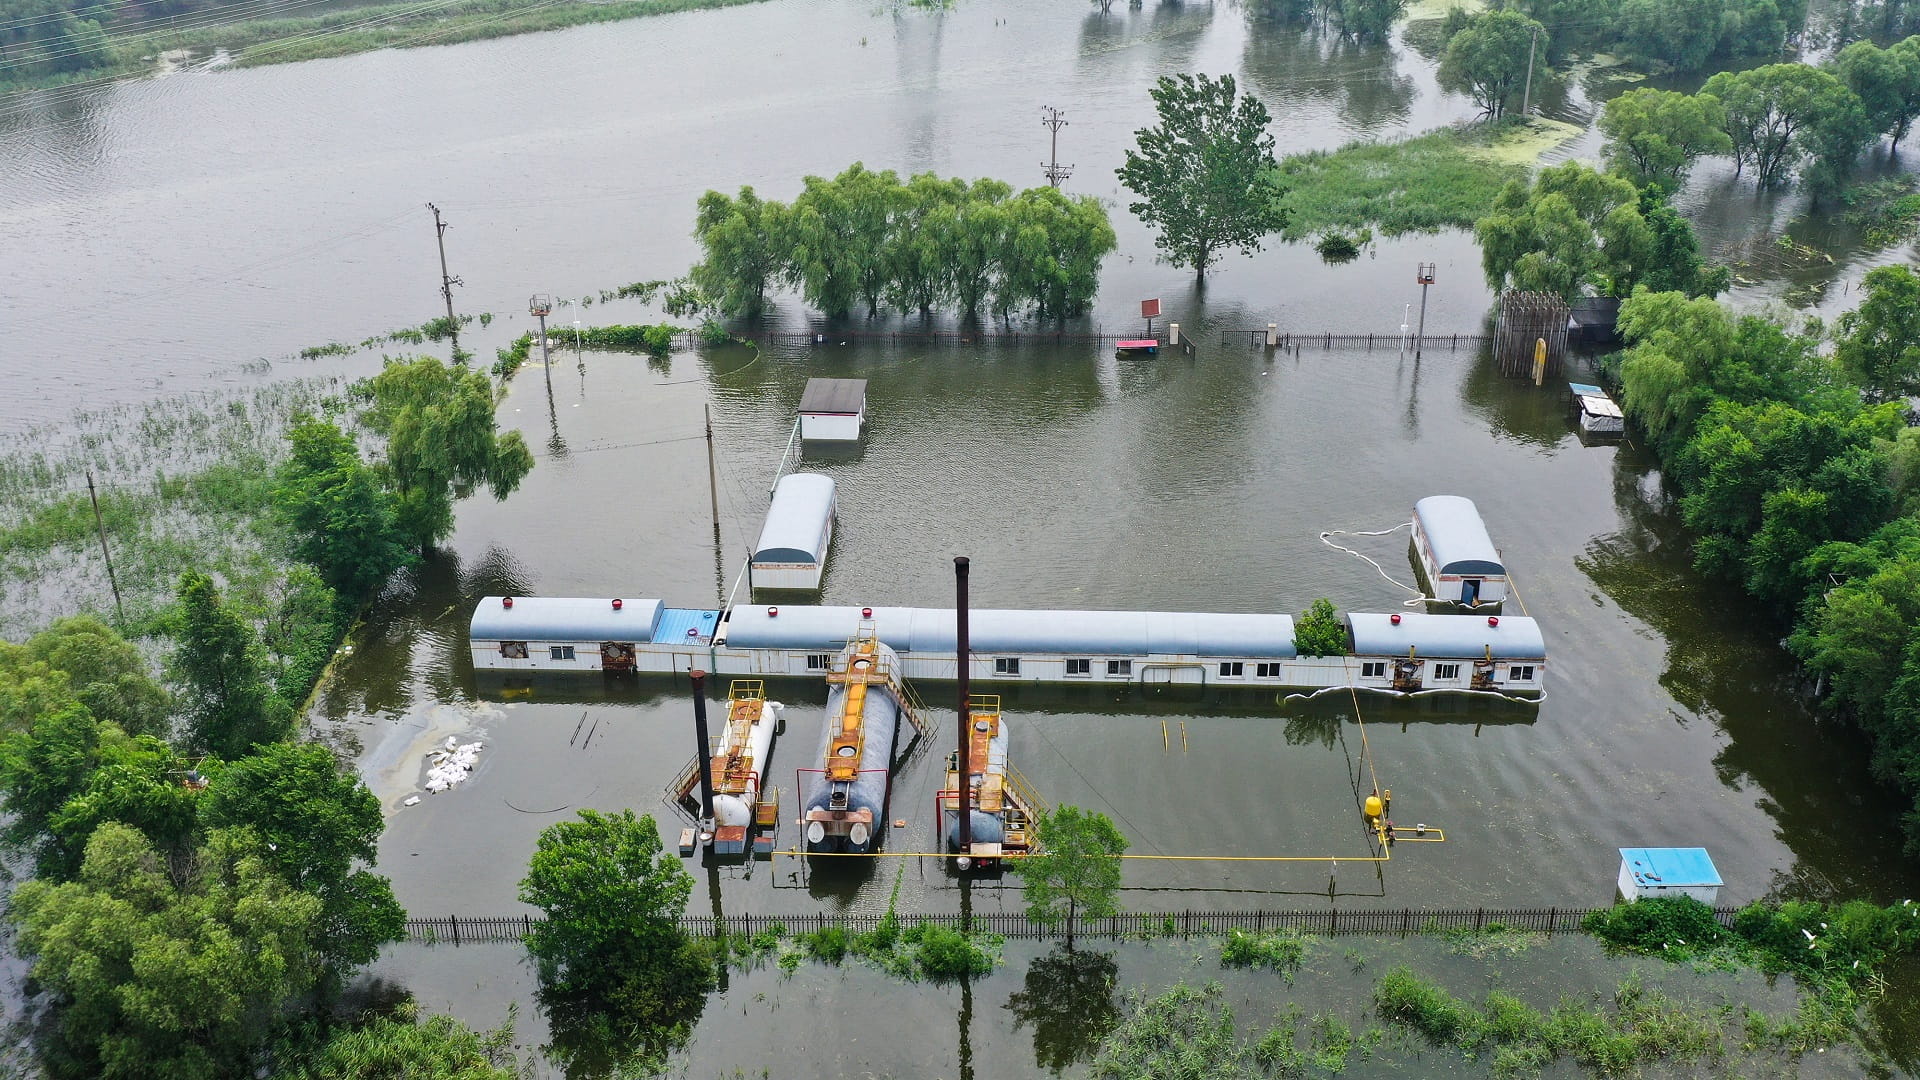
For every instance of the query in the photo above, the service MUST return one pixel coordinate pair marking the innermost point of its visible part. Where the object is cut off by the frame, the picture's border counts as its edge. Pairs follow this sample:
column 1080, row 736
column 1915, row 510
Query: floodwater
column 163, row 234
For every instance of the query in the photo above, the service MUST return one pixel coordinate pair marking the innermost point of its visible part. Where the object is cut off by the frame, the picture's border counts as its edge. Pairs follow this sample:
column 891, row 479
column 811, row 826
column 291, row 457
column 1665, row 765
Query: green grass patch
column 1281, row 951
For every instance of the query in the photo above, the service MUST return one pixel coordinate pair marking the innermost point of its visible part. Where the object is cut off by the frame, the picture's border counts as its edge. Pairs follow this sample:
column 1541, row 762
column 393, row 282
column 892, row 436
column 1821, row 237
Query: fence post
column 455, row 921
column 1479, row 919
column 527, row 925
column 1333, row 920
column 1553, row 920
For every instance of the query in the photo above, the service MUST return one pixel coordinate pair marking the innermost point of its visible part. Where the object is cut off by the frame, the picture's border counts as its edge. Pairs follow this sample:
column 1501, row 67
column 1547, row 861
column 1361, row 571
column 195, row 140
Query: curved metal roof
column 1094, row 633
column 1457, row 536
column 796, row 520
column 563, row 618
column 1452, row 637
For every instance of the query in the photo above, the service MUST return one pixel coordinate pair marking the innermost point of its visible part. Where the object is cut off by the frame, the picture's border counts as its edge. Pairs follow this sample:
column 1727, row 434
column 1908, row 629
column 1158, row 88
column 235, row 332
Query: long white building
column 1407, row 651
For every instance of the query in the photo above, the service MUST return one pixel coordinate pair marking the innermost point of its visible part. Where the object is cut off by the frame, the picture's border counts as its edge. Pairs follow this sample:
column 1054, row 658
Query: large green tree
column 163, row 975
column 320, row 826
column 442, row 443
column 1780, row 114
column 620, row 980
column 217, row 661
column 1572, row 230
column 742, row 238
column 1488, row 58
column 1202, row 174
column 1680, row 33
column 85, row 660
column 1655, row 136
column 1076, row 874
column 405, row 1047
column 342, row 520
column 1887, row 82
column 1879, row 342
column 1366, row 20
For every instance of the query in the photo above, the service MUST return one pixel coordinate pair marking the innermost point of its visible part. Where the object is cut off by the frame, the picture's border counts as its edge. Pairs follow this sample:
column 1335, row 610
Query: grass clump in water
column 1277, row 950
column 1423, row 184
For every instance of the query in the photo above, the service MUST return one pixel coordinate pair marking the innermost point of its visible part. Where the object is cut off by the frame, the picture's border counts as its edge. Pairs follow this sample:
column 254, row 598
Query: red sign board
column 1149, row 309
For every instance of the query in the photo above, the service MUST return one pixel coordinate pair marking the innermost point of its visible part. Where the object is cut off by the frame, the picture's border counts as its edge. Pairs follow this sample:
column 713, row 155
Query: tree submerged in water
column 1077, row 872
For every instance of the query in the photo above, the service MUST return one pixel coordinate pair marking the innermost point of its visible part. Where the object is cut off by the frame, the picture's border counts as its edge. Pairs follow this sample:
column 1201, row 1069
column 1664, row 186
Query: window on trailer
column 1006, row 665
column 1123, row 668
column 1446, row 671
column 513, row 650
column 560, row 652
column 1520, row 673
column 818, row 661
column 1373, row 669
column 1266, row 671
column 1079, row 667
column 1232, row 669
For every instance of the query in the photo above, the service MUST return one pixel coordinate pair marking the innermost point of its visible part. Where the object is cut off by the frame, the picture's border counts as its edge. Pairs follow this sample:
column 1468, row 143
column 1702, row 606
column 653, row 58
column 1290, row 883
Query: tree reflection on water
column 1069, row 1000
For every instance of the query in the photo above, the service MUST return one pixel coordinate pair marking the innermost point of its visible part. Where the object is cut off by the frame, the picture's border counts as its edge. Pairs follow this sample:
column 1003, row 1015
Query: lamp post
column 1425, row 277
column 540, row 305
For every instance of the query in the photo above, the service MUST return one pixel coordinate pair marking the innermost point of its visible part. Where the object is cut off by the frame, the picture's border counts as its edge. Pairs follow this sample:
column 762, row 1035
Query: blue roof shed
column 1670, row 867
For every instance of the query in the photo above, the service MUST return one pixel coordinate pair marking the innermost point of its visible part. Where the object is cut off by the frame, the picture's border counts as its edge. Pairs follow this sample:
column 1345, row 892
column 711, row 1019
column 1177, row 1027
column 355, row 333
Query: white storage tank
column 1668, row 871
column 792, row 552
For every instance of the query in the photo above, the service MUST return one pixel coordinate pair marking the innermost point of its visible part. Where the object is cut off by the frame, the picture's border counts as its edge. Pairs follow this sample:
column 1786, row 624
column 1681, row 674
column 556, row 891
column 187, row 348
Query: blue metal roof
column 1672, row 867
column 1516, row 637
column 1457, row 535
column 796, row 520
column 677, row 622
column 1094, row 633
column 1580, row 389
column 563, row 618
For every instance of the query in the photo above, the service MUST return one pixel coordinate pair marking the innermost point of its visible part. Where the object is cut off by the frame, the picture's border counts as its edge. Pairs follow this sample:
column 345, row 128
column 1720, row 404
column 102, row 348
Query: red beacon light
column 773, row 613
column 506, row 601
column 866, row 613
column 1493, row 620
column 1394, row 618
column 618, row 603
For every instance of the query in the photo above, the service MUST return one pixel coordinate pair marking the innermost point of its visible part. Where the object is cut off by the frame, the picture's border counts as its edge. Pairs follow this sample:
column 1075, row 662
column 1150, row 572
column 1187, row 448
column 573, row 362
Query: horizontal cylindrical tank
column 851, row 825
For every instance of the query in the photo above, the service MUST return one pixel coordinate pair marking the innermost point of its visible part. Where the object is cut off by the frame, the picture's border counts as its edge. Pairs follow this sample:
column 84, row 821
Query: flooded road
column 1071, row 479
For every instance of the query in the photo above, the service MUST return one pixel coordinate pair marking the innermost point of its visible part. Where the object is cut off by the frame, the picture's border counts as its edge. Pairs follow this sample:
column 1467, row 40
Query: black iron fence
column 1288, row 339
column 466, row 929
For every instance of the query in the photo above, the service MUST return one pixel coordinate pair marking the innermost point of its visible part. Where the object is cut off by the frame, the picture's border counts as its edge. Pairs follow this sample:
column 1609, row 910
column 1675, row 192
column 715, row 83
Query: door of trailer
column 1470, row 591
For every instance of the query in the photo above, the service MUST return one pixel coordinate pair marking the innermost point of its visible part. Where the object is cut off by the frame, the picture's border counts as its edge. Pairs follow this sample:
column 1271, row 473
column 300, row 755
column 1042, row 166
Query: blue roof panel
column 690, row 625
column 1672, row 867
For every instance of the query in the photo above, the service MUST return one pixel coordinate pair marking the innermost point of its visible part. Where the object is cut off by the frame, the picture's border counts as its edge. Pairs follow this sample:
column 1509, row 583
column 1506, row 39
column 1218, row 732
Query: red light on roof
column 1394, row 618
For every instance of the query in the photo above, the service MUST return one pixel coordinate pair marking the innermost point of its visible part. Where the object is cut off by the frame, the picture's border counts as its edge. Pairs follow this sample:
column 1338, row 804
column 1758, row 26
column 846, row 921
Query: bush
column 829, row 943
column 1404, row 996
column 1320, row 632
column 1657, row 925
column 1279, row 950
column 945, row 953
column 1336, row 246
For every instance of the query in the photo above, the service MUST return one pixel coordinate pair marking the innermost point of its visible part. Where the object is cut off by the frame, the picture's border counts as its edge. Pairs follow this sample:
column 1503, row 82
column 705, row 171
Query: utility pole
column 963, row 768
column 446, row 282
column 1054, row 120
column 1526, row 94
column 713, row 477
column 100, row 527
column 540, row 306
column 1425, row 277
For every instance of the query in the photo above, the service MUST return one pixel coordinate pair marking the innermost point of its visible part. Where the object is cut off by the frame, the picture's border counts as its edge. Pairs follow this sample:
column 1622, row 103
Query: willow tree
column 1203, row 173
column 442, row 444
column 1570, row 230
column 742, row 238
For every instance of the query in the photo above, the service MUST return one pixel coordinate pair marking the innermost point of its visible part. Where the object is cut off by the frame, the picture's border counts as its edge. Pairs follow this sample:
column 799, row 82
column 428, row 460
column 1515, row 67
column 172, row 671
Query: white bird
column 1807, row 932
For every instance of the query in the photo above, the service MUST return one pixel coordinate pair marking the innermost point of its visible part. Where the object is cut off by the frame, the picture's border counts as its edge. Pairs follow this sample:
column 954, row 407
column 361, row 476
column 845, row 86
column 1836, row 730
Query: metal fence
column 465, row 929
column 1288, row 339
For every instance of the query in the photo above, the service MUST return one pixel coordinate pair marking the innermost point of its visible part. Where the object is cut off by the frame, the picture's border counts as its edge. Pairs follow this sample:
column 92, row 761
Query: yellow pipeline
column 1439, row 836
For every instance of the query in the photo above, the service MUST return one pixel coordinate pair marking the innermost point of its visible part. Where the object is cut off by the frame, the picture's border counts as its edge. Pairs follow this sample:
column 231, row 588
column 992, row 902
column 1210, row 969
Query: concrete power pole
column 1054, row 120
column 1526, row 93
column 447, row 282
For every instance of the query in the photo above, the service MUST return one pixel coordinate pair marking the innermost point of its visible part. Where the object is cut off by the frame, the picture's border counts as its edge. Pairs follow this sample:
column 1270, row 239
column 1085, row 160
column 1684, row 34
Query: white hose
column 1418, row 598
column 1417, row 693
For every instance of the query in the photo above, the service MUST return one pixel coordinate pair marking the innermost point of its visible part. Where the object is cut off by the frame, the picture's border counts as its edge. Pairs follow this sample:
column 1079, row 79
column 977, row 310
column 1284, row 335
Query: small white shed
column 792, row 552
column 1455, row 553
column 1600, row 416
column 833, row 410
column 1668, row 871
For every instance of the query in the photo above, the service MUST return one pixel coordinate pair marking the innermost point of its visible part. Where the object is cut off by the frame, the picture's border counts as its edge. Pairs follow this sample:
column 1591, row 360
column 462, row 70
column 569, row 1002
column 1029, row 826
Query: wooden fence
column 467, row 929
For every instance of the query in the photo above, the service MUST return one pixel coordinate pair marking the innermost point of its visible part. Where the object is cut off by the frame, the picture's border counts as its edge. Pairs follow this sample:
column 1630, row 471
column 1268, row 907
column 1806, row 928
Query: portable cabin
column 792, row 552
column 1410, row 651
column 1455, row 553
column 1668, row 871
column 833, row 410
column 567, row 633
column 1600, row 416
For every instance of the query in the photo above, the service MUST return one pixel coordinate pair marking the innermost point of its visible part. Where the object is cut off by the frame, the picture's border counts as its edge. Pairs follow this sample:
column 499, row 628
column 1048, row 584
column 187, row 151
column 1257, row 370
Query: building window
column 1123, row 668
column 1006, row 665
column 1520, row 673
column 1446, row 671
column 560, row 652
column 1373, row 669
column 1266, row 671
column 1232, row 669
column 1079, row 667
column 818, row 661
column 513, row 650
